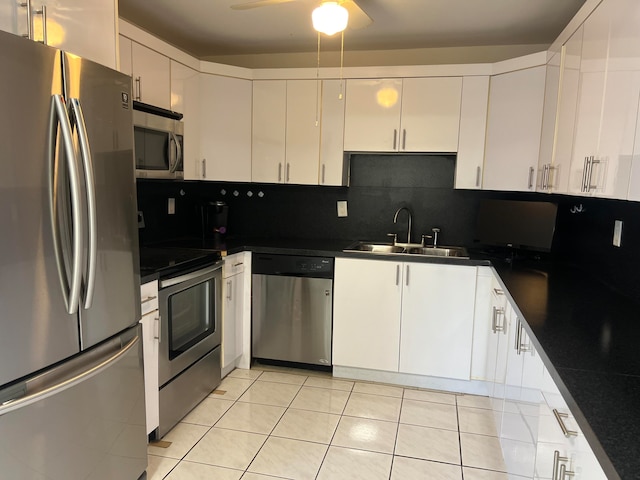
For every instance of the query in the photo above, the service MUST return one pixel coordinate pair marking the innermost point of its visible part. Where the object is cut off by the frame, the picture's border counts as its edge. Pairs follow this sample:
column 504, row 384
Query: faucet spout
column 395, row 220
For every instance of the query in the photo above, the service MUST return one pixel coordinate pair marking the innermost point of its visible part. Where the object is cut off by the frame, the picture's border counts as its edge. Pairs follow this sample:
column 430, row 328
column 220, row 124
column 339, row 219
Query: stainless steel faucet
column 395, row 220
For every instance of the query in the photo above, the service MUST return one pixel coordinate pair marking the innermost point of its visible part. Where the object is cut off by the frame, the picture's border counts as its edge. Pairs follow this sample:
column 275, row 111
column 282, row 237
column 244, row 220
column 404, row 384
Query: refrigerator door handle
column 59, row 118
column 48, row 390
column 87, row 164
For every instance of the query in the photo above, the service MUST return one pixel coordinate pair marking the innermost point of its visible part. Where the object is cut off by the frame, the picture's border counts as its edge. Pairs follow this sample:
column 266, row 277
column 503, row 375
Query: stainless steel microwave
column 159, row 146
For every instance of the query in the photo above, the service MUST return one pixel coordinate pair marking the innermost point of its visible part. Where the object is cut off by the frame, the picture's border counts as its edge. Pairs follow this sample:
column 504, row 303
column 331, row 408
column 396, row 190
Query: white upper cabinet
column 86, row 28
column 372, row 115
column 151, row 76
column 224, row 129
column 607, row 107
column 332, row 165
column 126, row 65
column 410, row 115
column 514, row 123
column 547, row 167
column 302, row 142
column 473, row 129
column 185, row 98
column 297, row 132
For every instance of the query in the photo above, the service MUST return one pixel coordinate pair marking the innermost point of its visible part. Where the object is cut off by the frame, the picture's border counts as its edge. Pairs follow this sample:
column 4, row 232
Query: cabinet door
column 152, row 76
column 87, row 29
column 430, row 119
column 549, row 114
column 437, row 320
column 13, row 17
column 372, row 115
column 332, row 168
column 593, row 64
column 366, row 314
column 225, row 128
column 186, row 99
column 150, row 330
column 302, row 140
column 125, row 55
column 473, row 130
column 567, row 108
column 232, row 321
column 516, row 100
column 269, row 130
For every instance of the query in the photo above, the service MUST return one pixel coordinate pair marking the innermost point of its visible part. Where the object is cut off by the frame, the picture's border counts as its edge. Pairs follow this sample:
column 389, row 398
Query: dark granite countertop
column 587, row 336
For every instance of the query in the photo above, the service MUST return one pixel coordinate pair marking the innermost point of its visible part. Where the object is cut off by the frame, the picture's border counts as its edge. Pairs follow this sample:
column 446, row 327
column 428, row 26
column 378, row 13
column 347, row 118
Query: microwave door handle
column 60, row 118
column 178, row 161
column 87, row 163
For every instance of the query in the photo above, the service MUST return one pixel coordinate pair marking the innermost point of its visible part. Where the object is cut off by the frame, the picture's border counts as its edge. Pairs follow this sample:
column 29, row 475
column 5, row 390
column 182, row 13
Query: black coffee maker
column 214, row 221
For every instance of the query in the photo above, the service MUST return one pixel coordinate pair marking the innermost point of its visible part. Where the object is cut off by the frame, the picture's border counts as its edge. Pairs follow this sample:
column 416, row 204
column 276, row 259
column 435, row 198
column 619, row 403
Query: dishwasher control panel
column 292, row 265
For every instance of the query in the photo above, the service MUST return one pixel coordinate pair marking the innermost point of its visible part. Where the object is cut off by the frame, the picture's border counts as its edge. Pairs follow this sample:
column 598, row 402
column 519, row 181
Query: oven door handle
column 190, row 276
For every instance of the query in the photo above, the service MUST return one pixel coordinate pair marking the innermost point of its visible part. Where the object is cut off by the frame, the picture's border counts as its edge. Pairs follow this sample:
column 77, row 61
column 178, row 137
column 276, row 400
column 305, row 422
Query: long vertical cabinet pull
column 29, row 33
column 323, row 169
column 138, row 81
column 229, row 290
column 531, row 172
column 43, row 12
column 397, row 275
column 279, row 172
column 395, row 138
column 204, row 168
column 560, row 419
column 593, row 161
column 478, row 171
column 560, row 471
column 404, row 139
column 288, row 170
column 406, row 280
column 583, row 188
column 59, row 117
column 157, row 329
column 92, row 211
column 494, row 322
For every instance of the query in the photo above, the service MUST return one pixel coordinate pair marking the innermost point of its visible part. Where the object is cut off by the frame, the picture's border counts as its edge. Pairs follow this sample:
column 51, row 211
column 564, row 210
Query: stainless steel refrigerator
column 71, row 377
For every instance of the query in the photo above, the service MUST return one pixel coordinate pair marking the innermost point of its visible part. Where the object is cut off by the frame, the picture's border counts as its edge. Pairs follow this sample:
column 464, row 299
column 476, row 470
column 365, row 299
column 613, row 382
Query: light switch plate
column 172, row 206
column 342, row 208
column 617, row 233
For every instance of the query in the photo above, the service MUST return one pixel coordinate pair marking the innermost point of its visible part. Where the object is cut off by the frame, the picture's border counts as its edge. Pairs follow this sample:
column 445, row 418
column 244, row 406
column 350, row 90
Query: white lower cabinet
column 437, row 320
column 367, row 303
column 433, row 306
column 150, row 346
column 234, row 299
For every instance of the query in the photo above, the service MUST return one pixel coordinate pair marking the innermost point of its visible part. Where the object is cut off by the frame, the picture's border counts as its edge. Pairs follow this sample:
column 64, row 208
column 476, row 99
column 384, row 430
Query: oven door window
column 191, row 317
column 151, row 149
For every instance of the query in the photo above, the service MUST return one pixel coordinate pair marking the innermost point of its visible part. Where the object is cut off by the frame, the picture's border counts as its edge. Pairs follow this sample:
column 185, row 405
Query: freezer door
column 291, row 319
column 100, row 109
column 35, row 328
column 83, row 420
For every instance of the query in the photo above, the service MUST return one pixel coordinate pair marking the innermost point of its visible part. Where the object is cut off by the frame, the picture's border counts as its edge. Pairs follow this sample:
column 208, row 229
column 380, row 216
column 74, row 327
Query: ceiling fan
column 357, row 17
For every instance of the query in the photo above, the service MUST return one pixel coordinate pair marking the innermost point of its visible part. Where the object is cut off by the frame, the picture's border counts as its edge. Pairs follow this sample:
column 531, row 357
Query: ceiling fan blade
column 357, row 17
column 258, row 3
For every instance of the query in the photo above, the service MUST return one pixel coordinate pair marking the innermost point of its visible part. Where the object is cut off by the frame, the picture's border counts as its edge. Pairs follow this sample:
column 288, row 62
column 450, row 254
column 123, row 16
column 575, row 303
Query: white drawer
column 233, row 265
column 149, row 297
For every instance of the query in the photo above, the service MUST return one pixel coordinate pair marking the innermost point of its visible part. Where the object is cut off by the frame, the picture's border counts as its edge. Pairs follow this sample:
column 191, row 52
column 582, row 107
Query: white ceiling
column 207, row 28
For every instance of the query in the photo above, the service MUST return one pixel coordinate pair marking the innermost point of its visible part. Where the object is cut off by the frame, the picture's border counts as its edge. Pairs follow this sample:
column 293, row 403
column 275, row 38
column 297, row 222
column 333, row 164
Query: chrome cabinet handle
column 323, row 172
column 406, row 280
column 395, row 138
column 397, row 275
column 478, row 171
column 565, row 473
column 556, row 464
column 238, row 264
column 494, row 321
column 29, row 33
column 498, row 291
column 565, row 431
column 43, row 12
column 148, row 299
column 404, row 139
column 204, row 168
column 518, row 334
column 92, row 211
column 138, row 88
column 279, row 171
column 531, row 172
column 288, row 170
column 157, row 328
column 229, row 290
column 178, row 161
column 583, row 188
column 590, row 185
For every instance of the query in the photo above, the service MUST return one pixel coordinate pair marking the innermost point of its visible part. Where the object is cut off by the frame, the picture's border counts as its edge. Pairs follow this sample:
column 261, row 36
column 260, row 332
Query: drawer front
column 149, row 297
column 233, row 265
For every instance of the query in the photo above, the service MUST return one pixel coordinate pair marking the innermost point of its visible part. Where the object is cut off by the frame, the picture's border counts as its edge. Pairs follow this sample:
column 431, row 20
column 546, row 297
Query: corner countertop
column 588, row 336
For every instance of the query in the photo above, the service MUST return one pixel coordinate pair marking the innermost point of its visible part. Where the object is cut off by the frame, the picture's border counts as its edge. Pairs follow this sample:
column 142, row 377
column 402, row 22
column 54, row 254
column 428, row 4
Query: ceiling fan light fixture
column 330, row 18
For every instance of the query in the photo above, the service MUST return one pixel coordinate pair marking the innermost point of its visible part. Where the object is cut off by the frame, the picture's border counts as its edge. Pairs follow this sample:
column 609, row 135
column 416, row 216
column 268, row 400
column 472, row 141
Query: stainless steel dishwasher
column 292, row 308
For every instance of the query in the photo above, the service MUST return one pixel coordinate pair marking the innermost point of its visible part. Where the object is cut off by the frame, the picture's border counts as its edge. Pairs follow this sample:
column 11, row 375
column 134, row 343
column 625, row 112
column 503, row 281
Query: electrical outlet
column 342, row 208
column 172, row 206
column 617, row 233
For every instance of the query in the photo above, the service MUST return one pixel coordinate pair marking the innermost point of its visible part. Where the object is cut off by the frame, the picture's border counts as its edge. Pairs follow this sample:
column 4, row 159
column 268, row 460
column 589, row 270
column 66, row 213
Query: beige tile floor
column 293, row 424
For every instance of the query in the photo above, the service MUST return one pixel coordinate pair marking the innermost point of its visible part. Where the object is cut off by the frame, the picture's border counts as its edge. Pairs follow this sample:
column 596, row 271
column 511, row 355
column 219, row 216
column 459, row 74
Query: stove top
column 168, row 261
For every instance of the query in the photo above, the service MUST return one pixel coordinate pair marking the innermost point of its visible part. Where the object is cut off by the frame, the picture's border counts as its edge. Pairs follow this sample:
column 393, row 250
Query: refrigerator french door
column 71, row 383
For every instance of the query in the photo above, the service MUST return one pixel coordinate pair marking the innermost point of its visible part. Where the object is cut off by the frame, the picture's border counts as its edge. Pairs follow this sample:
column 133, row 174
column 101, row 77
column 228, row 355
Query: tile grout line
column 459, row 439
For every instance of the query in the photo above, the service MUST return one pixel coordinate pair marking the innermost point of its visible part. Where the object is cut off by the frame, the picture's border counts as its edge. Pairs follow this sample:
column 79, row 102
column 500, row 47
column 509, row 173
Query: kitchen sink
column 438, row 251
column 408, row 249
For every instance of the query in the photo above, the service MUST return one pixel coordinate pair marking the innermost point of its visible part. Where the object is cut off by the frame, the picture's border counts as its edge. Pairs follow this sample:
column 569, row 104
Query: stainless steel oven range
column 190, row 304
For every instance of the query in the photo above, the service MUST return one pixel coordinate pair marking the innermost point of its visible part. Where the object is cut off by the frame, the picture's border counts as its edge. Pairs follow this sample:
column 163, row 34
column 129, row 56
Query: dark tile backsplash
column 380, row 184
